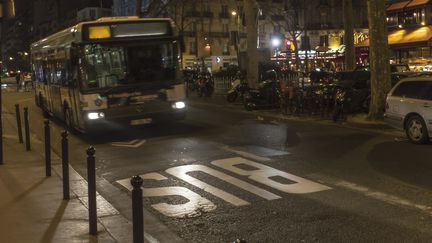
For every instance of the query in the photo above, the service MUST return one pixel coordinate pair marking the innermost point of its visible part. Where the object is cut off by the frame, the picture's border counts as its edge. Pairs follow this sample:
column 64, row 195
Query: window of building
column 226, row 50
column 224, row 9
column 324, row 40
column 415, row 16
column 192, row 47
column 225, row 28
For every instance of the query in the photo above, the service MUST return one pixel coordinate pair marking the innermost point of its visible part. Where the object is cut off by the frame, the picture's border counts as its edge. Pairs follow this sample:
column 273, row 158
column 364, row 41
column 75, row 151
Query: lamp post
column 237, row 39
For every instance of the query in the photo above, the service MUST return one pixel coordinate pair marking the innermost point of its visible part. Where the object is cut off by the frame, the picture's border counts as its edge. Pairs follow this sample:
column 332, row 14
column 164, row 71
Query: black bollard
column 65, row 165
column 27, row 128
column 137, row 210
column 18, row 119
column 47, row 148
column 91, row 178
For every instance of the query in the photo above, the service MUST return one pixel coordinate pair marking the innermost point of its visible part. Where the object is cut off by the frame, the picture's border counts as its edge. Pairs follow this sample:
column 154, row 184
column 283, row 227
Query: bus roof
column 74, row 34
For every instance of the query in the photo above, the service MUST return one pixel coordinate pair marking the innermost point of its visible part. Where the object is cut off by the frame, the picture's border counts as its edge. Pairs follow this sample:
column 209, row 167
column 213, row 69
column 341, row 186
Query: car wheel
column 416, row 130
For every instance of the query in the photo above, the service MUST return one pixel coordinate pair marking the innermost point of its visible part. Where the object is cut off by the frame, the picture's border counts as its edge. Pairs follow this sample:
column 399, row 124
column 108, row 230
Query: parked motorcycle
column 239, row 89
column 267, row 95
column 351, row 96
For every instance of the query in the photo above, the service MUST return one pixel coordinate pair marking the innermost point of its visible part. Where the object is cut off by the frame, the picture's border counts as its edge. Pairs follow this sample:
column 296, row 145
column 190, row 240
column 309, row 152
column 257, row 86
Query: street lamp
column 233, row 13
column 276, row 42
column 11, row 58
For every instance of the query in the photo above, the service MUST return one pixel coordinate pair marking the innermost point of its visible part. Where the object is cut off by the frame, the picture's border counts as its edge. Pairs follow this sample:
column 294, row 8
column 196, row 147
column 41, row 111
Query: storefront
column 409, row 46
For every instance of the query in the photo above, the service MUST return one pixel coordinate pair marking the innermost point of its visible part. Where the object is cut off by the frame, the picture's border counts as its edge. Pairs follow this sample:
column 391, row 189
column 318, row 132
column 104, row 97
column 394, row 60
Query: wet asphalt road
column 378, row 189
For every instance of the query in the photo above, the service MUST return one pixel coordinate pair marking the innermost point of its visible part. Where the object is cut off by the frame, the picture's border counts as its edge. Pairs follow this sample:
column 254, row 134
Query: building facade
column 410, row 33
column 213, row 31
column 127, row 7
column 321, row 27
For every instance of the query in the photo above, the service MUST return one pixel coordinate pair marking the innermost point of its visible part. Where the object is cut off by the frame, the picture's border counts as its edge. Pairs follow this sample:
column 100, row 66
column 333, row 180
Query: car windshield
column 108, row 66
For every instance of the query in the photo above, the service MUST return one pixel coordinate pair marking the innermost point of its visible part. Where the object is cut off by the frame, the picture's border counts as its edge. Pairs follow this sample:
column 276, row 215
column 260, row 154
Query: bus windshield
column 108, row 66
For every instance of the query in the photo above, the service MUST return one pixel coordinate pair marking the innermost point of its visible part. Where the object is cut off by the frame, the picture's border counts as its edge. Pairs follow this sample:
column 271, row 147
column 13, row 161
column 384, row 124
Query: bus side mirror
column 182, row 43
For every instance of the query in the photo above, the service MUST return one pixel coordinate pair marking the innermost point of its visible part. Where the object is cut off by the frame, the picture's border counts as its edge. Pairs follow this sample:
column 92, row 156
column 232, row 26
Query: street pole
column 252, row 36
column 1, row 71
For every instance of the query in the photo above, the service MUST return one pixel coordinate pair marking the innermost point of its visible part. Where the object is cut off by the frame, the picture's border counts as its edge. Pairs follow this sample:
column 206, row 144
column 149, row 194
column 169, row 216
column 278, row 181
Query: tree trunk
column 379, row 58
column 350, row 59
column 252, row 36
column 138, row 8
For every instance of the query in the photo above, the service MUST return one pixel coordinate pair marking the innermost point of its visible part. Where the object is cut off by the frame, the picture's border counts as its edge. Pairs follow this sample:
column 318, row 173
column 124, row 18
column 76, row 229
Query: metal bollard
column 27, row 128
column 137, row 210
column 18, row 119
column 91, row 178
column 47, row 148
column 65, row 165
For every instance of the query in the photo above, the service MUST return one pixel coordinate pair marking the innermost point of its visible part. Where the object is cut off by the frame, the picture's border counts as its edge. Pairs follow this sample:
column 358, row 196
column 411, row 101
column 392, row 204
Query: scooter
column 239, row 90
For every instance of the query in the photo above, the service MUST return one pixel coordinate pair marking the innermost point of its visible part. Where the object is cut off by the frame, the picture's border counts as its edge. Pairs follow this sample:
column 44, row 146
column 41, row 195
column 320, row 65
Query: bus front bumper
column 111, row 117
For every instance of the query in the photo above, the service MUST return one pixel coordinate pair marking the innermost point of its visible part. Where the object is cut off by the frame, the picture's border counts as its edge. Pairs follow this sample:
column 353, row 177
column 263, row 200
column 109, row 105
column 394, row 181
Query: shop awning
column 397, row 6
column 406, row 38
column 415, row 3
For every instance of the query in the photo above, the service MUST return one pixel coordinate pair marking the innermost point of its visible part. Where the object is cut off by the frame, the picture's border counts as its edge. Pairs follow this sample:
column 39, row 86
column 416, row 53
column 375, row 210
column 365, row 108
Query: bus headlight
column 179, row 105
column 95, row 115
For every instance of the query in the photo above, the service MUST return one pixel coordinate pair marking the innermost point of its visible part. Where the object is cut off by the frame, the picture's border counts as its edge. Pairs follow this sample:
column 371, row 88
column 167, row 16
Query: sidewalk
column 356, row 121
column 32, row 208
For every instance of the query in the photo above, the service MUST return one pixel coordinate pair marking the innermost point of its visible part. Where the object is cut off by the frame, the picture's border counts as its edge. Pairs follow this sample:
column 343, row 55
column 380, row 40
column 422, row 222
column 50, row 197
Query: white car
column 409, row 107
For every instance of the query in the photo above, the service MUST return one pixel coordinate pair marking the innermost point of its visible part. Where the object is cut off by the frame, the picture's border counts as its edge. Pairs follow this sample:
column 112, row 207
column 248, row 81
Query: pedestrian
column 18, row 81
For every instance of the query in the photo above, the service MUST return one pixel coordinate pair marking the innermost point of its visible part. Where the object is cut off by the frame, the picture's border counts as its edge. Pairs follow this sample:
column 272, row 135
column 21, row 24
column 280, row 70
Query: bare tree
column 350, row 60
column 293, row 28
column 379, row 58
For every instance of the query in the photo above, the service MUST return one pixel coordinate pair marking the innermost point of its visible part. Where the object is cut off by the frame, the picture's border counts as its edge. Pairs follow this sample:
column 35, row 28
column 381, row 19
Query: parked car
column 409, row 107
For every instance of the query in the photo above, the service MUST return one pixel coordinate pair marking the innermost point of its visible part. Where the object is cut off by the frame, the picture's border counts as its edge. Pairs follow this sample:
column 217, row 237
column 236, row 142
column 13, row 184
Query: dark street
column 222, row 175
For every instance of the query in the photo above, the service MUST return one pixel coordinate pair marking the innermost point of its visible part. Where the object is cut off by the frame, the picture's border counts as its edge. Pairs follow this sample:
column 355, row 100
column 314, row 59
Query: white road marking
column 197, row 204
column 394, row 200
column 193, row 208
column 246, row 154
column 131, row 144
column 263, row 174
column 181, row 173
column 150, row 238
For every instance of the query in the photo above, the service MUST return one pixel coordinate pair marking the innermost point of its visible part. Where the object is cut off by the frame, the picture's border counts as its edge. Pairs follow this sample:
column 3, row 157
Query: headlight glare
column 179, row 105
column 95, row 115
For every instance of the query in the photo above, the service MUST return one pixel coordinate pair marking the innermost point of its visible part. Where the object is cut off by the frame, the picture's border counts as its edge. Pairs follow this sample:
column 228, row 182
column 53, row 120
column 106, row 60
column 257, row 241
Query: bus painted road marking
column 197, row 204
column 131, row 144
column 263, row 174
column 181, row 173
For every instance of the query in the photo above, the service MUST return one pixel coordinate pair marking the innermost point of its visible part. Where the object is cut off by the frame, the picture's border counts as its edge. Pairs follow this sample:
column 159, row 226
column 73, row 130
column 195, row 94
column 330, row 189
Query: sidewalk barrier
column 91, row 179
column 18, row 119
column 137, row 210
column 222, row 85
column 47, row 148
column 65, row 165
column 27, row 128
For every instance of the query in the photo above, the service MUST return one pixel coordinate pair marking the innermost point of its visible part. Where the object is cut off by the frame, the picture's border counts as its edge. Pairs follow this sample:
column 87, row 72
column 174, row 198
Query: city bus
column 111, row 71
